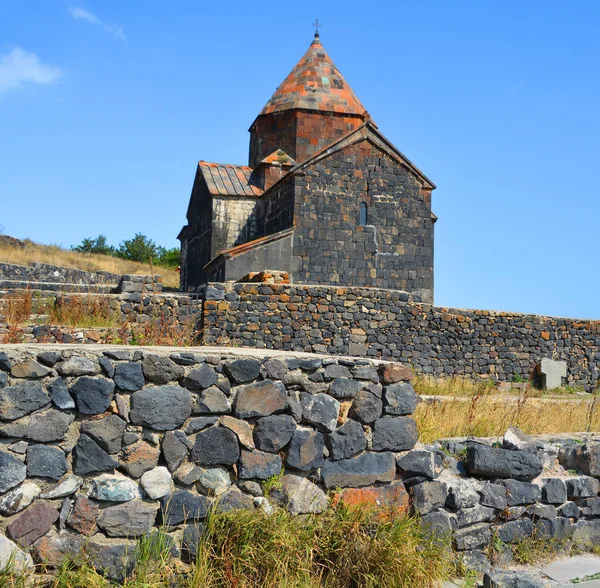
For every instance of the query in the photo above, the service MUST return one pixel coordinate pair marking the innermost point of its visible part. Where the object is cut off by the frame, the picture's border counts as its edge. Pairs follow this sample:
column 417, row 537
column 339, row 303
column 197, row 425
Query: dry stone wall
column 100, row 446
column 370, row 322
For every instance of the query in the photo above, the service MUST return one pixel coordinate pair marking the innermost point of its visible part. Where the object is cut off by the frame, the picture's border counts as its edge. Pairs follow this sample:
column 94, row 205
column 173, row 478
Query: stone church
column 325, row 196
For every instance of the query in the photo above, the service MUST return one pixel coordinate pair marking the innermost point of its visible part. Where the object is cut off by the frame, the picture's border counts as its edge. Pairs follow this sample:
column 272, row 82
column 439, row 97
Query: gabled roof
column 368, row 131
column 315, row 84
column 223, row 179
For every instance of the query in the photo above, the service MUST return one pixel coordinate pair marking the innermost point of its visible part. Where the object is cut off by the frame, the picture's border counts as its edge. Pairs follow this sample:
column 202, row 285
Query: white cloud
column 112, row 29
column 19, row 67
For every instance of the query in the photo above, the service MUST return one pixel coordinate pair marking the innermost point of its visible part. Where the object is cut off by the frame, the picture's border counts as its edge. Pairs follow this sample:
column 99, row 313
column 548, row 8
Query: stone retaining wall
column 102, row 445
column 387, row 324
column 43, row 272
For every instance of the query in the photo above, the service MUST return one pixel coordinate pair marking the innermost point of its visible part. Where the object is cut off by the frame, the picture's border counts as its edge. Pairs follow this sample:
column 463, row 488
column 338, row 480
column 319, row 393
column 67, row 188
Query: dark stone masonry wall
column 102, row 446
column 43, row 272
column 386, row 324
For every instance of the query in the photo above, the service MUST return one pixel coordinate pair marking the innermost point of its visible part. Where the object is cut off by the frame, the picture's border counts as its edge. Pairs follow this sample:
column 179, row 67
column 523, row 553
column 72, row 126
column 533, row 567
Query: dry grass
column 55, row 255
column 489, row 415
column 83, row 311
column 17, row 307
column 249, row 549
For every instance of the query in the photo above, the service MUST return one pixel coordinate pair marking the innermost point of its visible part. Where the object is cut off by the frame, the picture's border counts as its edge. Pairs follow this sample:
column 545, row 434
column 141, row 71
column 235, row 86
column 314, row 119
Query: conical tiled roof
column 315, row 84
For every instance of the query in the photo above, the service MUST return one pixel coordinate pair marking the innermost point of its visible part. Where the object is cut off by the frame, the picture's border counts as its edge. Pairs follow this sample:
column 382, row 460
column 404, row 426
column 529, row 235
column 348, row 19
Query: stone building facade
column 325, row 196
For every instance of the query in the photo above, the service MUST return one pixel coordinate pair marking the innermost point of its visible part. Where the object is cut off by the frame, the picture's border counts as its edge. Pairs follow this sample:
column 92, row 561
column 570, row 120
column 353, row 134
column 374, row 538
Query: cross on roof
column 317, row 25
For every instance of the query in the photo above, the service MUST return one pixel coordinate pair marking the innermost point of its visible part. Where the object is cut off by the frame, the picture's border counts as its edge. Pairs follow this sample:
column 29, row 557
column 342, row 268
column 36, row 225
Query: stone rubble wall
column 387, row 324
column 46, row 273
column 100, row 446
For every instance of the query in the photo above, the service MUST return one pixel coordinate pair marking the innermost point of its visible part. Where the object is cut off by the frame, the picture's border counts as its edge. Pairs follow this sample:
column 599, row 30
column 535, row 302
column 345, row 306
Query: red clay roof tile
column 315, row 84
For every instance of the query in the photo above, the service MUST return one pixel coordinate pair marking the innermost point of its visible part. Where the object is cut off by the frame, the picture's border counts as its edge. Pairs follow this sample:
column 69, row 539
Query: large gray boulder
column 12, row 472
column 494, row 462
column 160, row 369
column 131, row 519
column 347, row 440
column 92, row 395
column 215, row 446
column 363, row 470
column 44, row 461
column 394, row 434
column 260, row 399
column 21, row 399
column 305, row 452
column 320, row 410
column 44, row 427
column 162, row 408
column 274, row 432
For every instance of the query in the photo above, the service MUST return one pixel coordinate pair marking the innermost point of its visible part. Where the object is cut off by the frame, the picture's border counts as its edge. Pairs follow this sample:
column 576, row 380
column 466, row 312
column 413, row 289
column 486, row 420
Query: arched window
column 362, row 219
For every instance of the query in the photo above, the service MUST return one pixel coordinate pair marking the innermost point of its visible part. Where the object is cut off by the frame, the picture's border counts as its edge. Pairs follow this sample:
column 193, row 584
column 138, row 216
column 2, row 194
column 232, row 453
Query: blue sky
column 106, row 106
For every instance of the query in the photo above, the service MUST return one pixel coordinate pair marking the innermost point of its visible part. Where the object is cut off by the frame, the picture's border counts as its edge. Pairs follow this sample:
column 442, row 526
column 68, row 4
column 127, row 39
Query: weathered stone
column 64, row 488
column 214, row 481
column 183, row 507
column 582, row 487
column 385, row 501
column 107, row 432
column 192, row 537
column 347, row 441
column 260, row 399
column 12, row 557
column 510, row 579
column 215, row 446
column 363, row 470
column 184, row 358
column 129, row 376
column 59, row 393
column 160, row 369
column 515, row 439
column 21, row 399
column 3, row 379
column 542, row 511
column 132, row 519
column 437, row 523
column 197, row 424
column 587, row 534
column 399, row 399
column 77, row 366
column 334, row 370
column 428, row 496
column 559, row 528
column 420, row 463
column 201, row 378
column 49, row 358
column 367, row 407
column 242, row 370
column 92, row 395
column 5, row 362
column 305, row 452
column 569, row 509
column 515, row 531
column 554, row 491
column 118, row 354
column 29, row 369
column 53, row 550
column 34, row 523
column 472, row 537
column 44, row 461
column 114, row 488
column 211, row 401
column 44, row 427
column 394, row 372
column 162, row 408
column 234, row 499
column 242, row 429
column 19, row 498
column 344, row 388
column 138, row 458
column 492, row 462
column 493, row 495
column 320, row 410
column 187, row 473
column 302, row 496
column 394, row 434
column 274, row 369
column 12, row 472
column 521, row 492
column 107, row 367
column 90, row 457
column 115, row 561
column 174, row 449
column 475, row 514
column 258, row 465
column 588, row 459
